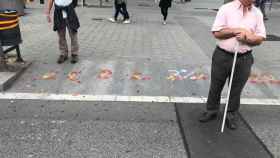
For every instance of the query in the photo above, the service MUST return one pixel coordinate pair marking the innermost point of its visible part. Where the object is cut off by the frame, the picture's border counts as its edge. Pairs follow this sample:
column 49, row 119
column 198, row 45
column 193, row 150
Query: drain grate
column 272, row 38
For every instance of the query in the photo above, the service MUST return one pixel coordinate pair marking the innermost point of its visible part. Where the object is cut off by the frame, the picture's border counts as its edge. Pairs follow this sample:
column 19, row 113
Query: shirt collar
column 239, row 5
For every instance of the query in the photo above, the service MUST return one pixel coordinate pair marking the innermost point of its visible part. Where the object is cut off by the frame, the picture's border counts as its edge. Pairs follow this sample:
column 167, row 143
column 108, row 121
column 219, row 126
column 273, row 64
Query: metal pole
column 230, row 84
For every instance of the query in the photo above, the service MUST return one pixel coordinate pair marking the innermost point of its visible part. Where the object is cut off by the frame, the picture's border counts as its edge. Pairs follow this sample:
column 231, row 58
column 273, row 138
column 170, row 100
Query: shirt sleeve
column 260, row 27
column 220, row 20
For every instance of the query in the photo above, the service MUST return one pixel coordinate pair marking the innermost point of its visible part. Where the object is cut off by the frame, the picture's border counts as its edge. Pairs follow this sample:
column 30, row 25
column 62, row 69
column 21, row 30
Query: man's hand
column 237, row 31
column 247, row 37
column 241, row 37
column 49, row 18
column 241, row 34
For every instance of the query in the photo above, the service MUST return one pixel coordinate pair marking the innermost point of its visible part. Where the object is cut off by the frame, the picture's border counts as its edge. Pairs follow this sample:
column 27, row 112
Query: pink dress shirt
column 231, row 15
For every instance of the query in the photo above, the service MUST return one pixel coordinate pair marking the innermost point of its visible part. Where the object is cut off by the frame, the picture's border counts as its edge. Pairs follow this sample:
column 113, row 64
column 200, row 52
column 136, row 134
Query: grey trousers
column 63, row 47
column 220, row 72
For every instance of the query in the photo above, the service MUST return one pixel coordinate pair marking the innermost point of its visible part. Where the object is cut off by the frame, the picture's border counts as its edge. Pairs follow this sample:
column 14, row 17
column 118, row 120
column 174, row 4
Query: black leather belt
column 232, row 54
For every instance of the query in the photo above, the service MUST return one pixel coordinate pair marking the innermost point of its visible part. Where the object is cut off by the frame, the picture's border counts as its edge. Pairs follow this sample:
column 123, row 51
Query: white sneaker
column 112, row 20
column 164, row 22
column 126, row 22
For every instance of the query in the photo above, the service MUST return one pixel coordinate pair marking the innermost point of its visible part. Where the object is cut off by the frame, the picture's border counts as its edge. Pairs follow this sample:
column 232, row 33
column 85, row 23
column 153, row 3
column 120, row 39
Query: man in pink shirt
column 238, row 26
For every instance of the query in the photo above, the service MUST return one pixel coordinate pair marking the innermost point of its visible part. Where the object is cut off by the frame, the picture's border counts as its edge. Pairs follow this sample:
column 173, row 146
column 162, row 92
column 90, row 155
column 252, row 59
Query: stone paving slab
column 264, row 121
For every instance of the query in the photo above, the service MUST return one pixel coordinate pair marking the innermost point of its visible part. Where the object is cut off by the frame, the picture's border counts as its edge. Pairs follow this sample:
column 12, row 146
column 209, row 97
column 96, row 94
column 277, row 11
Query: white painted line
column 156, row 99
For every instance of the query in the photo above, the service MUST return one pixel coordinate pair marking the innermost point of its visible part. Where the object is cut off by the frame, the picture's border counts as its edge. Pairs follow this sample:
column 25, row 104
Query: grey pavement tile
column 264, row 120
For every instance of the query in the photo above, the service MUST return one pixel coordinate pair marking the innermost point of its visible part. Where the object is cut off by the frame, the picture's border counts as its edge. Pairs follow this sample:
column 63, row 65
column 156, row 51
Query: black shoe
column 208, row 116
column 74, row 59
column 61, row 59
column 232, row 121
column 265, row 18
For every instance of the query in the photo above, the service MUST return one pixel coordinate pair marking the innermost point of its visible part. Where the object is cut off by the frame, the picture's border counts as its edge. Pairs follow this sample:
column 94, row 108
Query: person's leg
column 164, row 13
column 241, row 75
column 219, row 75
column 125, row 12
column 2, row 57
column 1, row 50
column 62, row 45
column 74, row 45
column 117, row 10
column 262, row 7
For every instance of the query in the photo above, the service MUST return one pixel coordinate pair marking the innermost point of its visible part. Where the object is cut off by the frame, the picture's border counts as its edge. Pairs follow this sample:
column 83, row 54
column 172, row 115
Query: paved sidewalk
column 140, row 56
column 145, row 46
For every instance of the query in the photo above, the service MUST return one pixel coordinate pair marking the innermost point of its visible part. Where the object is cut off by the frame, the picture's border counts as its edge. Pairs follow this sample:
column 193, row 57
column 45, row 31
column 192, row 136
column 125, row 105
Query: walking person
column 164, row 5
column 261, row 4
column 121, row 7
column 65, row 17
column 238, row 27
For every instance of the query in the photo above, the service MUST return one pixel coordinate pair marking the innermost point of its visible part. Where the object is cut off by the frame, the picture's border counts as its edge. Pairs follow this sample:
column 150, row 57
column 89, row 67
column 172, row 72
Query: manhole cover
column 144, row 5
column 272, row 38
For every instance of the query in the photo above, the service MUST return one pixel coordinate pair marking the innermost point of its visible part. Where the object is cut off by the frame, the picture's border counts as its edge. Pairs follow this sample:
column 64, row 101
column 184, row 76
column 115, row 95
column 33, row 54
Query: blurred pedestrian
column 261, row 4
column 121, row 7
column 164, row 5
column 65, row 17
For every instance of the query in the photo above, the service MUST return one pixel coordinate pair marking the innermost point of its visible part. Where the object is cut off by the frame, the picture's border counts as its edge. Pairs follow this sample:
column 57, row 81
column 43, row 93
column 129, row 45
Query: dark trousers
column 220, row 72
column 164, row 12
column 261, row 5
column 1, row 50
column 121, row 8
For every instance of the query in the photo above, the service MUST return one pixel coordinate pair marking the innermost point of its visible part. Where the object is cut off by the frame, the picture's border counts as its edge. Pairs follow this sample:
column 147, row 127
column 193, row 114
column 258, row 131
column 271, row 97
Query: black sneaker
column 208, row 116
column 232, row 120
column 61, row 59
column 74, row 59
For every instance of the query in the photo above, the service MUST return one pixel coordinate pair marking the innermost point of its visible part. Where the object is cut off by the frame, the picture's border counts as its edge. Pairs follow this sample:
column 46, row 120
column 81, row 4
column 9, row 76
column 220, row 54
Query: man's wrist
column 47, row 12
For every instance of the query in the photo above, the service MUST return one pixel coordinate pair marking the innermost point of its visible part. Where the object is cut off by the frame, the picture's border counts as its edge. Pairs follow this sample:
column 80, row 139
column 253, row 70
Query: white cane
column 230, row 84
